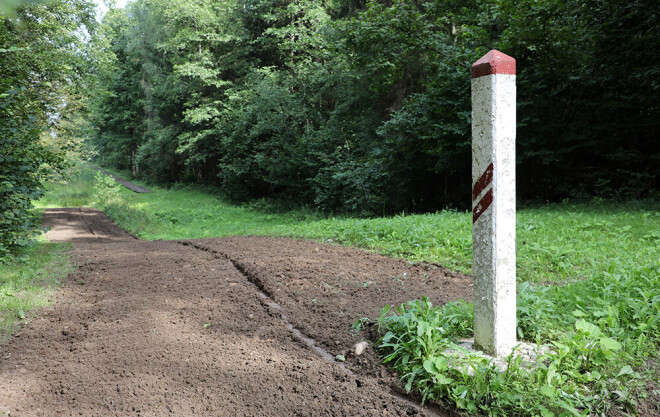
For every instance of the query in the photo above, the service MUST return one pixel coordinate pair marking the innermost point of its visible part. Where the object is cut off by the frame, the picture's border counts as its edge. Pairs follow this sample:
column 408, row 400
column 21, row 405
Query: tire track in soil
column 307, row 341
column 159, row 328
column 325, row 289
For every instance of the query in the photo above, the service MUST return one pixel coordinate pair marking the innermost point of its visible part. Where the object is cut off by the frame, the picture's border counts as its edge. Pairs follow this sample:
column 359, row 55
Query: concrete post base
column 528, row 351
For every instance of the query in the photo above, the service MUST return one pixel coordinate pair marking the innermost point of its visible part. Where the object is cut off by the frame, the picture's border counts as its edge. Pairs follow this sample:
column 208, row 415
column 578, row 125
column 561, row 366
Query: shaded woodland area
column 353, row 106
column 47, row 71
column 364, row 107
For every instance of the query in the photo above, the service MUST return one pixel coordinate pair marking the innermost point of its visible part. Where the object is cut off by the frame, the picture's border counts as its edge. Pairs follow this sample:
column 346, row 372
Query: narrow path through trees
column 133, row 187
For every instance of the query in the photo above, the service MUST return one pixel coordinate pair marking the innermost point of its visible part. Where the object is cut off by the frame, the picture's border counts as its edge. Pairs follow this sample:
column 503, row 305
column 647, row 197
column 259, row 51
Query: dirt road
column 241, row 326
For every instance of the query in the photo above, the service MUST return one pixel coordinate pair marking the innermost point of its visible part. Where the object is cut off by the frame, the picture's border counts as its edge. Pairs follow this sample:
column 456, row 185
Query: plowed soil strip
column 311, row 343
column 161, row 328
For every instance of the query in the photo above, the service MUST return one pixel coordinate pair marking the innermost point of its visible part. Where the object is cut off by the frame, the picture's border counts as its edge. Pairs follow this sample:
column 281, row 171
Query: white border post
column 494, row 202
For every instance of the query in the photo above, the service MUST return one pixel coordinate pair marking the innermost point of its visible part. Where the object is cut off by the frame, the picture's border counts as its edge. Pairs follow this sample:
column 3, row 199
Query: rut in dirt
column 153, row 328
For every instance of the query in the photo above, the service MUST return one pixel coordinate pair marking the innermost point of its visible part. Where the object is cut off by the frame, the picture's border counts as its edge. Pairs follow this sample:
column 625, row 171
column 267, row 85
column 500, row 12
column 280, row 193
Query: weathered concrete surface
column 494, row 203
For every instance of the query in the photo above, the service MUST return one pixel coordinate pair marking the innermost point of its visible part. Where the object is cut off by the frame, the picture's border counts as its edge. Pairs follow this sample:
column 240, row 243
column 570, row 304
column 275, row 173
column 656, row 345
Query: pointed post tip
column 494, row 62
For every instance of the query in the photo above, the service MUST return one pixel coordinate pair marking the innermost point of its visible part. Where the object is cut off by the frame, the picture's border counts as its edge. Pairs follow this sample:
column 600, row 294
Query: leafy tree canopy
column 44, row 79
column 364, row 106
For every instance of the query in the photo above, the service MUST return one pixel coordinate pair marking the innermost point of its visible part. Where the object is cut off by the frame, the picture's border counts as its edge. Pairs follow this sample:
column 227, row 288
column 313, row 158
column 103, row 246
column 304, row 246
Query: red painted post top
column 494, row 62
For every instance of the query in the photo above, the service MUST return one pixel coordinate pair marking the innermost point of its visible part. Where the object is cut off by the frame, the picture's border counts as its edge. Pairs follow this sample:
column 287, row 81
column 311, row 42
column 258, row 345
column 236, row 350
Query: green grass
column 601, row 333
column 556, row 243
column 77, row 190
column 28, row 280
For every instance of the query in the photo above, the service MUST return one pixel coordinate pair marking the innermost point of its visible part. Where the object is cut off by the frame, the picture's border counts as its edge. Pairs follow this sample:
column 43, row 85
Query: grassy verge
column 27, row 282
column 556, row 243
column 600, row 333
column 76, row 191
column 602, row 322
column 28, row 279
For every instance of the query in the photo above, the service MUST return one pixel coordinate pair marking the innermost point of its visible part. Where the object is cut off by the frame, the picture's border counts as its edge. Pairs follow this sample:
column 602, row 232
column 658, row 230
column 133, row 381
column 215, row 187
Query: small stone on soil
column 359, row 348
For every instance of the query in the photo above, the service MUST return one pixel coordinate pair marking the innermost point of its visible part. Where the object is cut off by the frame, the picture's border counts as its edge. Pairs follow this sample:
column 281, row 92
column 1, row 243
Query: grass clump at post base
column 601, row 321
column 600, row 332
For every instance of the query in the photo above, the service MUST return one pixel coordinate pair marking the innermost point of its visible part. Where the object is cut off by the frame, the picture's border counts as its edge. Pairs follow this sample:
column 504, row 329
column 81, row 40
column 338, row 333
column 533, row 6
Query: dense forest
column 345, row 105
column 46, row 61
column 364, row 106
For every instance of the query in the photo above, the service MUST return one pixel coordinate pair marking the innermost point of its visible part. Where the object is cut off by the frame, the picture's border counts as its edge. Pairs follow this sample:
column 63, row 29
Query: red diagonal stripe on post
column 482, row 206
column 482, row 183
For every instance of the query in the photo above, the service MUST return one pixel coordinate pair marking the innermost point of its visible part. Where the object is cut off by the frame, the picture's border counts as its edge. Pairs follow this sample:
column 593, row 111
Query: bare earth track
column 241, row 326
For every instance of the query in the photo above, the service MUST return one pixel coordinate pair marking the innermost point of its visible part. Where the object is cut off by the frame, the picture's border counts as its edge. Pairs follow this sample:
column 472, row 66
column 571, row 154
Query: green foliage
column 26, row 281
column 359, row 324
column 21, row 155
column 598, row 332
column 572, row 58
column 622, row 302
column 43, row 58
column 263, row 144
column 106, row 189
column 76, row 189
column 364, row 107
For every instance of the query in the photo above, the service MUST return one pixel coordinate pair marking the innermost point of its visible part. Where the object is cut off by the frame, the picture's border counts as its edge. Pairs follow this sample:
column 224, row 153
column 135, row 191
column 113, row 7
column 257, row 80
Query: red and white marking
column 486, row 200
column 494, row 202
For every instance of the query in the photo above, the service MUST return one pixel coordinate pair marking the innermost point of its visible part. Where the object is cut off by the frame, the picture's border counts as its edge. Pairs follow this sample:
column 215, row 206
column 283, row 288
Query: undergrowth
column 599, row 332
column 76, row 190
column 27, row 280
